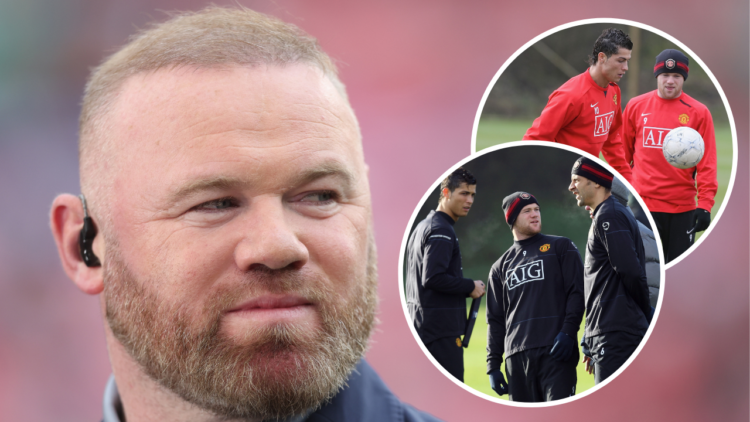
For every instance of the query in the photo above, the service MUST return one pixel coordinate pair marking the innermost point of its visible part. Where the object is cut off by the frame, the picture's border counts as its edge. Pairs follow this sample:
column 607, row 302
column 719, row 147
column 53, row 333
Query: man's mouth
column 274, row 307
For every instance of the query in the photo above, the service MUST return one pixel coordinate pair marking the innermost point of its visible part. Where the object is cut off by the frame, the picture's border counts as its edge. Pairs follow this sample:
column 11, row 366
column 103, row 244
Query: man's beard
column 287, row 369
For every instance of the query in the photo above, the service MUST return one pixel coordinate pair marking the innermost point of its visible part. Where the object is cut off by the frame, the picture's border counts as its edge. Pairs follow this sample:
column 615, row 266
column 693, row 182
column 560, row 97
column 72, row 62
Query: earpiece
column 86, row 238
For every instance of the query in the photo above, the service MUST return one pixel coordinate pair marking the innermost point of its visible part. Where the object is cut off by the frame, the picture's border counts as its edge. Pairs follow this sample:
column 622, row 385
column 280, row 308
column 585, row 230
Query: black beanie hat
column 514, row 203
column 671, row 61
column 592, row 171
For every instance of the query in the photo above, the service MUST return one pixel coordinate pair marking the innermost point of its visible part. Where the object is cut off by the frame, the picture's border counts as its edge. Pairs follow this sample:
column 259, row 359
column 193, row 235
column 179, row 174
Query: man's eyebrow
column 213, row 183
column 324, row 170
column 228, row 182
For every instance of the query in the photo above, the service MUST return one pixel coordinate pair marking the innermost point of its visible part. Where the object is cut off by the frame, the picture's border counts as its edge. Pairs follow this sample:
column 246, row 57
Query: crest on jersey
column 525, row 196
column 669, row 63
column 684, row 118
column 458, row 341
column 544, row 248
column 615, row 98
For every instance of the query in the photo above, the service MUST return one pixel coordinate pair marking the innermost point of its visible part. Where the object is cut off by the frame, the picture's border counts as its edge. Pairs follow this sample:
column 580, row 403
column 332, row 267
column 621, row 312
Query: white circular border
column 663, row 34
column 401, row 280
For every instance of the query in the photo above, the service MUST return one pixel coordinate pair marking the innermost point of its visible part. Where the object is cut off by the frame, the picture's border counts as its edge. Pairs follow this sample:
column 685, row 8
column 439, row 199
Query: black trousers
column 449, row 354
column 609, row 352
column 533, row 376
column 675, row 231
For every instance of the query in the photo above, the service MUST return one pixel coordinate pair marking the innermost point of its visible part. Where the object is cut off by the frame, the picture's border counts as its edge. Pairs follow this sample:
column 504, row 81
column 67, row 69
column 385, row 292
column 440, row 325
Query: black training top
column 615, row 273
column 436, row 290
column 535, row 291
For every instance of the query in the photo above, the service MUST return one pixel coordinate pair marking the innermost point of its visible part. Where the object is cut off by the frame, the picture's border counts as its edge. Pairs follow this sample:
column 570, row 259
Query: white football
column 683, row 147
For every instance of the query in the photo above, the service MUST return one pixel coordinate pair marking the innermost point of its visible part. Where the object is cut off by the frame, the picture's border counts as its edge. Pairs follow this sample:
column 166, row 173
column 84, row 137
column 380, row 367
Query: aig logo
column 525, row 273
column 602, row 123
column 653, row 136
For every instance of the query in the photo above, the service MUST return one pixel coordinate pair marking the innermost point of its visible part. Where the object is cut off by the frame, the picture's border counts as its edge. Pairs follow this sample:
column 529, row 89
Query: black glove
column 563, row 348
column 497, row 382
column 585, row 347
column 702, row 220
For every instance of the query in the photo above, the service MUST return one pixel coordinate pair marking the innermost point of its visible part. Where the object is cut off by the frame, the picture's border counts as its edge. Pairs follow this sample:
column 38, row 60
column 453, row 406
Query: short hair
column 210, row 38
column 609, row 42
column 454, row 180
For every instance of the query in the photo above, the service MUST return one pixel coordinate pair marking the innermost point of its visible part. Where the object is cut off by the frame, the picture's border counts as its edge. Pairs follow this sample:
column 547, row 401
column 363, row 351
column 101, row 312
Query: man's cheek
column 192, row 263
column 340, row 250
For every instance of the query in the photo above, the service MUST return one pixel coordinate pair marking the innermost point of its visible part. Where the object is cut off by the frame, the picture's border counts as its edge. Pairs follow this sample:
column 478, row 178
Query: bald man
column 225, row 224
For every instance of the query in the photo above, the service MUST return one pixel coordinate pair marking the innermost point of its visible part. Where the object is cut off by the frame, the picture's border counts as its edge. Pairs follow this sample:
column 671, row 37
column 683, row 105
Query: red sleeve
column 613, row 149
column 706, row 177
column 558, row 113
column 628, row 134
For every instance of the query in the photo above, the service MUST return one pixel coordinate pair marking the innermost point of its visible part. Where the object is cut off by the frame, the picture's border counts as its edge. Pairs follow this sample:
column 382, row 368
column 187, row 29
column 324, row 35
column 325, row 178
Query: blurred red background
column 416, row 72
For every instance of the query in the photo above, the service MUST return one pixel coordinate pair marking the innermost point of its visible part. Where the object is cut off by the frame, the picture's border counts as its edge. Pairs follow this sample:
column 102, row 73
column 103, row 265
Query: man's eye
column 319, row 197
column 216, row 205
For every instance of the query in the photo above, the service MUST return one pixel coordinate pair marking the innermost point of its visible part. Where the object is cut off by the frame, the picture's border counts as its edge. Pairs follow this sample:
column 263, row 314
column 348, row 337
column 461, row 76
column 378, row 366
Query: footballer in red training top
column 586, row 112
column 669, row 192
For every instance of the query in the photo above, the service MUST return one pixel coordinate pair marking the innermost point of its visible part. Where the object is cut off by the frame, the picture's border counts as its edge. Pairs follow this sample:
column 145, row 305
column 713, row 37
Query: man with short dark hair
column 436, row 289
column 585, row 112
column 534, row 309
column 226, row 226
column 618, row 311
column 669, row 192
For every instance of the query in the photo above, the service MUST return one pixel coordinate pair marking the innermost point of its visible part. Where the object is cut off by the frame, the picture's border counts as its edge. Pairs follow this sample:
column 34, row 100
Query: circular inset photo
column 526, row 277
column 638, row 99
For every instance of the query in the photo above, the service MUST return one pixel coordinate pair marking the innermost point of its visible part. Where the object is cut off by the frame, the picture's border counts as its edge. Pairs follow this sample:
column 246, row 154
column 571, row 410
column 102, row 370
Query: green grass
column 475, row 360
column 493, row 131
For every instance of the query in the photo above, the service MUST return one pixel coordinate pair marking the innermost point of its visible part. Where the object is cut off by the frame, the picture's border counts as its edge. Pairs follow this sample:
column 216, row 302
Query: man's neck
column 598, row 76
column 444, row 209
column 518, row 236
column 599, row 199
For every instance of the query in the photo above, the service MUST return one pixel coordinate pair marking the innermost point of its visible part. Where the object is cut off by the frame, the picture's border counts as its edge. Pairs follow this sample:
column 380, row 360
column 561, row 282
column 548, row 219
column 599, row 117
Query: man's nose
column 269, row 241
column 571, row 186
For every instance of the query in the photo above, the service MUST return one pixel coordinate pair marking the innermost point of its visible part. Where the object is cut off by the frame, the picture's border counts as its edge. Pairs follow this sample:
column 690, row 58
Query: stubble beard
column 287, row 370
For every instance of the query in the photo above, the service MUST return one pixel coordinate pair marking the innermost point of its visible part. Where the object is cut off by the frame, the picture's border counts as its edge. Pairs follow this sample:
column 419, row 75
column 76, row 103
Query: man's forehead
column 178, row 126
column 668, row 74
column 259, row 89
column 466, row 187
column 530, row 206
column 622, row 52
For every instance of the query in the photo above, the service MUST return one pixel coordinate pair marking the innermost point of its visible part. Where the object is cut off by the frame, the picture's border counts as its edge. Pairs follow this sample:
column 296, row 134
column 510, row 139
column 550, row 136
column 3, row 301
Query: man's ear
column 445, row 193
column 66, row 221
column 601, row 57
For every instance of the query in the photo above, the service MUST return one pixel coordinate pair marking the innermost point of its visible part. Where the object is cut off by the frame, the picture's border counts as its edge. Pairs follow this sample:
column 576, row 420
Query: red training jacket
column 586, row 116
column 665, row 188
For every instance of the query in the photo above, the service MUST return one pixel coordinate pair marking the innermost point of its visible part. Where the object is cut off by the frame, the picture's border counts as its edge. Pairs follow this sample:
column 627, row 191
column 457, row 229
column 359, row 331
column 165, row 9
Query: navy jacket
column 617, row 297
column 436, row 290
column 535, row 291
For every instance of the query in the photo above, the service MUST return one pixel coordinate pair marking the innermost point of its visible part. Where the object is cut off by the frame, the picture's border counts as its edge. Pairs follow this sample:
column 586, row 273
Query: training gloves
column 563, row 348
column 702, row 219
column 585, row 347
column 497, row 382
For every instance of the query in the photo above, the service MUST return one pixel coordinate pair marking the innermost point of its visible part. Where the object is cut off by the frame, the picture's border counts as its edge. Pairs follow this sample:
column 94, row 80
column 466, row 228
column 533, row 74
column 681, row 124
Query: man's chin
column 244, row 331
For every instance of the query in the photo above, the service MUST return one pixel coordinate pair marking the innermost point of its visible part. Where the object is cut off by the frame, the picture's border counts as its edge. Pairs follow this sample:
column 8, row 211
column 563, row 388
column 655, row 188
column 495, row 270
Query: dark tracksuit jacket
column 617, row 297
column 535, row 291
column 436, row 290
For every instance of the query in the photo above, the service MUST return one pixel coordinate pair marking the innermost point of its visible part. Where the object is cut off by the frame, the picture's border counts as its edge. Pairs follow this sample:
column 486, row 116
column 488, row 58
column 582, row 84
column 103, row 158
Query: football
column 683, row 147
